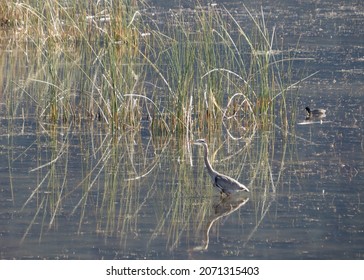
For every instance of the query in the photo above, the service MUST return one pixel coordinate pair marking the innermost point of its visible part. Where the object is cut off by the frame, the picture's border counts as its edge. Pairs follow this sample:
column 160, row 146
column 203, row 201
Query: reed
column 108, row 39
column 216, row 70
column 208, row 68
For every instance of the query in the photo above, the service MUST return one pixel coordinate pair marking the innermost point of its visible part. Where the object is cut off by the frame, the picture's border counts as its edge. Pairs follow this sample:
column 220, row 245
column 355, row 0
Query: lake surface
column 149, row 197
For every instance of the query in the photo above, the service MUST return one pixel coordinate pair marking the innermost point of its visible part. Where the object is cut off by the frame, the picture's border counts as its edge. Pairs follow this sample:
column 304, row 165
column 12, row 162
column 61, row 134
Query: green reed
column 87, row 85
column 215, row 70
column 98, row 60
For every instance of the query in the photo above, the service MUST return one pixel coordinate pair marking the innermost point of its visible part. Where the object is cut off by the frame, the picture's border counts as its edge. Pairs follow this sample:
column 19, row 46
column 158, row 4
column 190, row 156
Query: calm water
column 149, row 197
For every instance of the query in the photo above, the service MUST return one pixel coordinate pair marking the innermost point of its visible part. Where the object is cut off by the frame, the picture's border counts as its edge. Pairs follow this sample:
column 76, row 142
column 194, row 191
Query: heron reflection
column 225, row 207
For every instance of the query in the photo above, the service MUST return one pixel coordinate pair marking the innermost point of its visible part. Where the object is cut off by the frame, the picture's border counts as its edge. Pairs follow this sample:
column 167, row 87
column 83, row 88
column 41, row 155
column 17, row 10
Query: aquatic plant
column 197, row 74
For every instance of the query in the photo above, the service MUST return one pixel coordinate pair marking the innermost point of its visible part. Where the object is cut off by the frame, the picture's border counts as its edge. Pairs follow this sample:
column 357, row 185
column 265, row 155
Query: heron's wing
column 220, row 183
column 228, row 185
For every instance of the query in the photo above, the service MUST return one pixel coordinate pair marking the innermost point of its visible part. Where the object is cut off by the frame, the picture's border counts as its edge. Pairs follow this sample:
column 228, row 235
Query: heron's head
column 200, row 142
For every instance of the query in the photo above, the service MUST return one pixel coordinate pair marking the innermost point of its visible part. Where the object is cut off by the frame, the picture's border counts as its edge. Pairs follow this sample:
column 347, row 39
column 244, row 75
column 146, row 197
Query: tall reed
column 208, row 68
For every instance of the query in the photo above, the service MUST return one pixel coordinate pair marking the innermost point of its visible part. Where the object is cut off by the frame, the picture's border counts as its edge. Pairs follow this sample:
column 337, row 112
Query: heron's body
column 315, row 113
column 225, row 184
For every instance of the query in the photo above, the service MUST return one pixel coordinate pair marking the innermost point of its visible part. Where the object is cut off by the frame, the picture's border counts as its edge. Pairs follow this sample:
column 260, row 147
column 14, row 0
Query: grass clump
column 86, row 60
column 100, row 62
column 215, row 72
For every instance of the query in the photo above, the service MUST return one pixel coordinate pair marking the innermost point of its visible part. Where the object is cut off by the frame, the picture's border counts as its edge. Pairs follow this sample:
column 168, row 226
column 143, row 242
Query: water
column 148, row 196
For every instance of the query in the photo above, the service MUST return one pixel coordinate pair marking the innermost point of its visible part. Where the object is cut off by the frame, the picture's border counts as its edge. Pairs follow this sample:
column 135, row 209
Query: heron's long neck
column 207, row 162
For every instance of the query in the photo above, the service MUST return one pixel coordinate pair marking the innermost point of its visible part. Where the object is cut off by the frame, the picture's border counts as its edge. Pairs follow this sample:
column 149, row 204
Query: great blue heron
column 317, row 113
column 224, row 183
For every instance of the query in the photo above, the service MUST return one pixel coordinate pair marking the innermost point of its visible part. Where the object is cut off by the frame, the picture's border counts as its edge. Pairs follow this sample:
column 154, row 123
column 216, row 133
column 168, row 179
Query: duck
column 316, row 113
